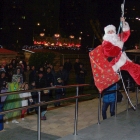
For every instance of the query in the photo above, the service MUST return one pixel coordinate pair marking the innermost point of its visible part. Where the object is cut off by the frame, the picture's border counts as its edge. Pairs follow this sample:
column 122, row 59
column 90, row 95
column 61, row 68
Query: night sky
column 105, row 11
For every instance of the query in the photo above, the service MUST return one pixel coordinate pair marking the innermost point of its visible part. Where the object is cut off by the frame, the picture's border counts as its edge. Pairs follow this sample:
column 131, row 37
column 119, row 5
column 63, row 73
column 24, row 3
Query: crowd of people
column 17, row 75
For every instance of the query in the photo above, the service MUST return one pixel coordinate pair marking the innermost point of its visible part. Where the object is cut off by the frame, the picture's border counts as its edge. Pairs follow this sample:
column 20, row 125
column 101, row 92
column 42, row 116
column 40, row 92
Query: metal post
column 116, row 100
column 99, row 109
column 38, row 121
column 128, row 94
column 76, row 112
column 137, row 90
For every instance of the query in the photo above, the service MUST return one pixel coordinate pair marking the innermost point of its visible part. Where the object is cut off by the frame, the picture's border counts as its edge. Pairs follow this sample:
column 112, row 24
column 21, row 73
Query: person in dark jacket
column 81, row 73
column 58, row 92
column 63, row 75
column 41, row 83
column 3, row 78
column 40, row 80
column 32, row 75
column 109, row 99
column 34, row 97
column 49, row 80
column 76, row 68
column 45, row 98
column 68, row 67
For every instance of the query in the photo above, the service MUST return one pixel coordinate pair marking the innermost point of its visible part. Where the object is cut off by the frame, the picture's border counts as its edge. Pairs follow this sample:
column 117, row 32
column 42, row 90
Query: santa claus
column 104, row 72
column 112, row 47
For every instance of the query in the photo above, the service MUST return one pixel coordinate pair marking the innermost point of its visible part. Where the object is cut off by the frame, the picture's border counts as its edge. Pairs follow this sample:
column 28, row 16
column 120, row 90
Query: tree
column 39, row 59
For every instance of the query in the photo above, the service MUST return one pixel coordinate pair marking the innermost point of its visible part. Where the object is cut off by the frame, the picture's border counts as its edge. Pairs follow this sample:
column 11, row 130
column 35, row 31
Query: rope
column 121, row 25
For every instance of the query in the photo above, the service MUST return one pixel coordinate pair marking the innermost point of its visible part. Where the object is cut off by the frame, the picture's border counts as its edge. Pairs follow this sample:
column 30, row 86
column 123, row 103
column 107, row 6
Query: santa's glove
column 125, row 27
column 31, row 100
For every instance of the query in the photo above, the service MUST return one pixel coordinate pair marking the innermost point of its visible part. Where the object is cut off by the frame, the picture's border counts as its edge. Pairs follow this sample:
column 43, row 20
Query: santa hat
column 110, row 27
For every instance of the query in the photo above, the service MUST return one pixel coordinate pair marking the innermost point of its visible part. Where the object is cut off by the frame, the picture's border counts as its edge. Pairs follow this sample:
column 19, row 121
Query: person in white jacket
column 25, row 97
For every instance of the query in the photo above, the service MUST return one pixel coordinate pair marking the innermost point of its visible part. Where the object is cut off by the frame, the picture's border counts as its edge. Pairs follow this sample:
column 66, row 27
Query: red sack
column 104, row 75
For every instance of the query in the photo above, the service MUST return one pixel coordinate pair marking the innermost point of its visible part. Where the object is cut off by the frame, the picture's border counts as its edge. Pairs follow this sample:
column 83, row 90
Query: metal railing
column 39, row 104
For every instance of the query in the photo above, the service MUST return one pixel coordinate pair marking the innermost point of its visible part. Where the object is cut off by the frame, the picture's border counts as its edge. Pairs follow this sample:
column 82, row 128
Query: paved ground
column 59, row 123
column 125, row 126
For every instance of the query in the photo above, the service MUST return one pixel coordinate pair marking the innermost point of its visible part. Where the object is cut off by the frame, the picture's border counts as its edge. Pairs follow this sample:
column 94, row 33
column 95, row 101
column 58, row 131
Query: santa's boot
column 133, row 69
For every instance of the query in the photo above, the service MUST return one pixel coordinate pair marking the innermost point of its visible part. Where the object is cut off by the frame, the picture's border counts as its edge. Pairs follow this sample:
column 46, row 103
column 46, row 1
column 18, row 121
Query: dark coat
column 76, row 67
column 32, row 76
column 40, row 82
column 63, row 75
column 67, row 66
column 49, row 79
column 45, row 98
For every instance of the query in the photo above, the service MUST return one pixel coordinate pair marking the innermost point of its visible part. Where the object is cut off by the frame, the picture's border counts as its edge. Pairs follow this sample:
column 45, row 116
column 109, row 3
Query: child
column 13, row 101
column 58, row 92
column 24, row 101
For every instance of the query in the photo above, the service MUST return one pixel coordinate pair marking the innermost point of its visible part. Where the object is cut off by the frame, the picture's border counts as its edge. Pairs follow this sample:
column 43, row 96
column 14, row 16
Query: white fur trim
column 120, row 63
column 126, row 27
column 127, row 57
column 113, row 39
column 109, row 27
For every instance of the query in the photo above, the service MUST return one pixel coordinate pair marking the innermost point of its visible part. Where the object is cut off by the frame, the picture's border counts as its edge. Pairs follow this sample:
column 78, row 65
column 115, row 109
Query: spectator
column 41, row 69
column 34, row 97
column 32, row 76
column 14, row 63
column 10, row 72
column 3, row 79
column 16, row 101
column 17, row 75
column 63, row 75
column 109, row 99
column 27, row 73
column 53, row 73
column 76, row 68
column 58, row 92
column 40, row 80
column 45, row 98
column 81, row 74
column 24, row 96
column 68, row 66
column 49, row 80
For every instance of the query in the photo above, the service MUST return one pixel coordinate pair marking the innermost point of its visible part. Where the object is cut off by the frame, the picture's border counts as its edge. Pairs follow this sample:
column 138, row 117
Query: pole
column 38, row 121
column 76, row 112
column 116, row 100
column 137, row 90
column 99, row 109
column 128, row 94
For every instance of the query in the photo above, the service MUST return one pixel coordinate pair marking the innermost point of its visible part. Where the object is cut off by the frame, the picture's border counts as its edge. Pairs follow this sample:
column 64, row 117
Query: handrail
column 41, row 89
column 43, row 103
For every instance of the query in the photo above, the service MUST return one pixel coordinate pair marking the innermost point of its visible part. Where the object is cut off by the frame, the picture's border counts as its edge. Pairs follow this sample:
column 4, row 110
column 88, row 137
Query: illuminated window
column 23, row 17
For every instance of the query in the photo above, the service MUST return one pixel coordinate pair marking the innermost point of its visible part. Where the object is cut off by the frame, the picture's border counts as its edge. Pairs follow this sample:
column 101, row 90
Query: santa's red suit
column 104, row 72
column 112, row 47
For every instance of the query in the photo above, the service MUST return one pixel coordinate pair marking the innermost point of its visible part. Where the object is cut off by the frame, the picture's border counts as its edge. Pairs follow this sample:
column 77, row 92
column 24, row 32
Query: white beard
column 114, row 39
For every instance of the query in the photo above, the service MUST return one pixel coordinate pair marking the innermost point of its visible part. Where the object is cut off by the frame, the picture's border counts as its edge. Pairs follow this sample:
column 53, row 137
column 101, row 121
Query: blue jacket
column 109, row 96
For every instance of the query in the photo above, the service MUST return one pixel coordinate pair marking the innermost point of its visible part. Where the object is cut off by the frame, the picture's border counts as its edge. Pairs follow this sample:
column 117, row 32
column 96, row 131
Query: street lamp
column 57, row 36
column 19, row 28
column 42, row 34
column 71, row 38
column 38, row 24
